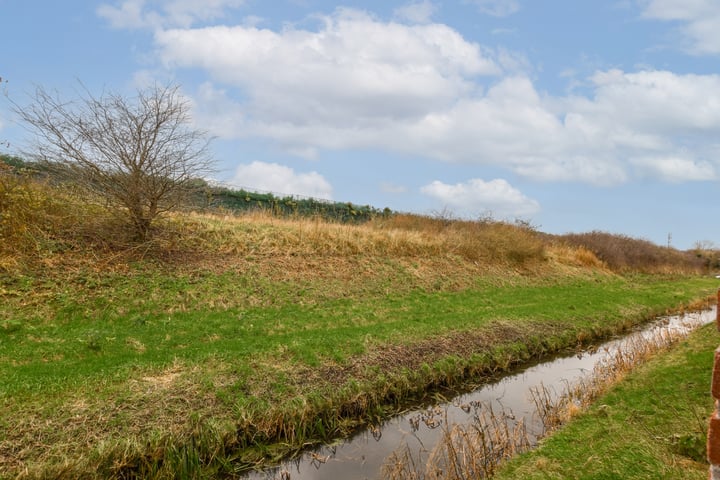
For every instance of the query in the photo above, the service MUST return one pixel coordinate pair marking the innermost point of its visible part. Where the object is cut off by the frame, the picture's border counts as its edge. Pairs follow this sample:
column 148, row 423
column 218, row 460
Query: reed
column 557, row 408
column 478, row 449
column 464, row 452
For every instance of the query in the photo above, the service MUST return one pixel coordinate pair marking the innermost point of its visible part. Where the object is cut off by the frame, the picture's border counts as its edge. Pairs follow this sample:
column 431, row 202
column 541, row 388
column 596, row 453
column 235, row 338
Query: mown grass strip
column 651, row 425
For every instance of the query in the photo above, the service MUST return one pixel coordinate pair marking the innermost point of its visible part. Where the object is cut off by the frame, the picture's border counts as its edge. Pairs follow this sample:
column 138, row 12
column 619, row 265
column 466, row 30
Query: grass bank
column 107, row 383
column 228, row 342
column 651, row 425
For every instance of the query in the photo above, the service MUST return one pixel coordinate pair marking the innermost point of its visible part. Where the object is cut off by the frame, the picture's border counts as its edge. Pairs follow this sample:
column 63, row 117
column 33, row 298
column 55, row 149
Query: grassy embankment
column 651, row 425
column 228, row 341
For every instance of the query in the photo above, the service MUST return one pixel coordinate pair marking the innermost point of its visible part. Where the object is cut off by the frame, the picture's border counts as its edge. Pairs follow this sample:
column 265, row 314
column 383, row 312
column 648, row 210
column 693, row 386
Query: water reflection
column 363, row 456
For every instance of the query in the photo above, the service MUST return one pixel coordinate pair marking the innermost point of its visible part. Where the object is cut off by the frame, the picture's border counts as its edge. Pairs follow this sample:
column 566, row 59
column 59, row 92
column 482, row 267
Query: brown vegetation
column 625, row 254
column 478, row 449
column 39, row 220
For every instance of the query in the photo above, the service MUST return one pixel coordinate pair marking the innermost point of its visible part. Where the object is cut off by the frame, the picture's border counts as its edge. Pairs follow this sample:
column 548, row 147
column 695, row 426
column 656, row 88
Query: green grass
column 250, row 368
column 224, row 341
column 85, row 332
column 652, row 425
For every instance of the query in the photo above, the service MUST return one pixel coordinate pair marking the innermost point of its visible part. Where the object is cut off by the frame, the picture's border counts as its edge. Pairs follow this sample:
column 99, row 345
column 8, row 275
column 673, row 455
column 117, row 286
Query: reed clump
column 478, row 450
column 464, row 451
column 556, row 408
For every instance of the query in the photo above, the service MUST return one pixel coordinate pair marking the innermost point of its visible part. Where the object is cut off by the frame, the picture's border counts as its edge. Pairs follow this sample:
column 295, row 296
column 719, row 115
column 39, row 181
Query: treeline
column 206, row 196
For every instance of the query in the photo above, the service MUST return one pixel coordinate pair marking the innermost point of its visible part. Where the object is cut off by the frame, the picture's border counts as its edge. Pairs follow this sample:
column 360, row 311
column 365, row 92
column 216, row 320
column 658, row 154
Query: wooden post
column 713, row 440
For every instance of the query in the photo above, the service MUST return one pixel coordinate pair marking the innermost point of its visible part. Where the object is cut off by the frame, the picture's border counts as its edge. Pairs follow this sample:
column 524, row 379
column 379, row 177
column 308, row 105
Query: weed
column 477, row 450
column 284, row 331
column 463, row 452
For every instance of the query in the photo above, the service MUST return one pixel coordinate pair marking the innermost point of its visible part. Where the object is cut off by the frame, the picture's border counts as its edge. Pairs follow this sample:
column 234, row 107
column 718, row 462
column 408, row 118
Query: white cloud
column 129, row 14
column 497, row 8
column 279, row 179
column 132, row 14
column 699, row 19
column 661, row 101
column 214, row 111
column 477, row 196
column 416, row 12
column 678, row 9
column 359, row 82
column 674, row 169
column 353, row 71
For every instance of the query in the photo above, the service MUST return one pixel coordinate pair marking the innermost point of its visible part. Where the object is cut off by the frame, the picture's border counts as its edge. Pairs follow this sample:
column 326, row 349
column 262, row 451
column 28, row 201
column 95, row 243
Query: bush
column 21, row 206
column 622, row 253
column 38, row 218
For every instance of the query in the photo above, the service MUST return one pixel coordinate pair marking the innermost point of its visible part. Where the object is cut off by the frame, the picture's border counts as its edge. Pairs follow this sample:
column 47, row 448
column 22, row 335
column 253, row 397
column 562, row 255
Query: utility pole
column 669, row 239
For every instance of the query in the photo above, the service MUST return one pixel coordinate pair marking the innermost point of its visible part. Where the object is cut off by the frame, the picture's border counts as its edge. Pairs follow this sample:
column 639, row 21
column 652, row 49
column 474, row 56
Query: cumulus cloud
column 280, row 179
column 477, row 196
column 135, row 14
column 423, row 90
column 674, row 169
column 352, row 72
column 661, row 102
column 699, row 21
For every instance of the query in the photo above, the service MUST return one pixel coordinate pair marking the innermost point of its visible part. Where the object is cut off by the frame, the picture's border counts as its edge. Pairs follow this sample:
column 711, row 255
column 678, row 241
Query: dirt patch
column 396, row 358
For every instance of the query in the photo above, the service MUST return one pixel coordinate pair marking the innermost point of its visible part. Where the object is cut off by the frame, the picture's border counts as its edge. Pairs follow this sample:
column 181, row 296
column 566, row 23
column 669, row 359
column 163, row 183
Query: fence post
column 713, row 440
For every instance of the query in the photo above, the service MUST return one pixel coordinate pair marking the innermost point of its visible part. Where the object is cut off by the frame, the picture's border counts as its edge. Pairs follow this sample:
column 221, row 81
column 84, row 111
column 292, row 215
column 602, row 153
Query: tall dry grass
column 464, row 452
column 478, row 241
column 623, row 254
column 39, row 219
column 478, row 449
column 260, row 233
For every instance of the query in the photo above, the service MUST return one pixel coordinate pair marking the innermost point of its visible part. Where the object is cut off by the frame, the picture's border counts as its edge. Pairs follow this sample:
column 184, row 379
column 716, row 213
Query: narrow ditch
column 406, row 442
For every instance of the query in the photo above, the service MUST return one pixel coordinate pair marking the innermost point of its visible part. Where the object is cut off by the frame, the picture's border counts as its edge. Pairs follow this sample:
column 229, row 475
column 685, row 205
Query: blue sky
column 572, row 115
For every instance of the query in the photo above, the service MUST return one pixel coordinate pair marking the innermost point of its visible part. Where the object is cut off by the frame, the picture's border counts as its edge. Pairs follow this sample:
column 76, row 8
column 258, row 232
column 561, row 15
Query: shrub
column 38, row 218
column 622, row 253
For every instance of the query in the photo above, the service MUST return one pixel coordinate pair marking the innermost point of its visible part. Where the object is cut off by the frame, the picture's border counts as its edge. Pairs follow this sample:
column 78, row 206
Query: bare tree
column 140, row 154
column 3, row 81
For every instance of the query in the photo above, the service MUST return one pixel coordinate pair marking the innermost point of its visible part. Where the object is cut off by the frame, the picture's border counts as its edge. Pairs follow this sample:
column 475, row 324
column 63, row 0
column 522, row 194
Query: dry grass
column 625, row 254
column 557, row 408
column 39, row 221
column 478, row 449
column 261, row 234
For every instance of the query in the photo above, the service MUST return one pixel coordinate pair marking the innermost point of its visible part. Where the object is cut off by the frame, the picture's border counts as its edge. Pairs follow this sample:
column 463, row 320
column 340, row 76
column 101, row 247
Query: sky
column 570, row 115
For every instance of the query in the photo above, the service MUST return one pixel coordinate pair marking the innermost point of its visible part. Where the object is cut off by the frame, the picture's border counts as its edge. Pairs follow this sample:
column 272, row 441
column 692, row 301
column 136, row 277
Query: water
column 362, row 456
